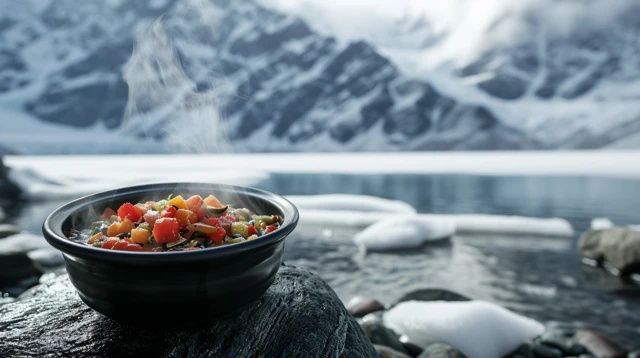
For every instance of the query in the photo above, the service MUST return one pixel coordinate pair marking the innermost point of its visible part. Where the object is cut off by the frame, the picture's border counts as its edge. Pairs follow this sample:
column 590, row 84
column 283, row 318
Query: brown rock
column 599, row 345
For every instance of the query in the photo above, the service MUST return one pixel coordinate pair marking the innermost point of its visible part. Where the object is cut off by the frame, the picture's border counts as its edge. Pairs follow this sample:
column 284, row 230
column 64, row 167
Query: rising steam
column 164, row 103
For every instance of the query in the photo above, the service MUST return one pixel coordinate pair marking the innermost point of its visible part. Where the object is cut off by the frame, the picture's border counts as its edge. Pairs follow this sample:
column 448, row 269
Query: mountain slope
column 280, row 85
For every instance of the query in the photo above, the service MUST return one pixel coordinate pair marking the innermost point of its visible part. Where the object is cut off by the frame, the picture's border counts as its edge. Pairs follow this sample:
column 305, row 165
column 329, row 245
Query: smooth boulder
column 618, row 247
column 298, row 316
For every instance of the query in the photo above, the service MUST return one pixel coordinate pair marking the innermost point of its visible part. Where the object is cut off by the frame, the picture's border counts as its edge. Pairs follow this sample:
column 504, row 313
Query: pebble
column 598, row 345
column 386, row 352
column 362, row 306
column 432, row 294
column 378, row 333
column 440, row 350
column 413, row 349
column 8, row 230
column 561, row 340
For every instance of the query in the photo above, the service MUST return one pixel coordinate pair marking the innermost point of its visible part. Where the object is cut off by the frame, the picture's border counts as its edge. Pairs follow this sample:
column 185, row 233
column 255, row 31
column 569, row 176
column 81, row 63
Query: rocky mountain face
column 281, row 86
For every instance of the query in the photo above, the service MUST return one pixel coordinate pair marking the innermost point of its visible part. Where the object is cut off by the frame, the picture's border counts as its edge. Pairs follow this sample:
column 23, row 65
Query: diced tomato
column 108, row 244
column 169, row 212
column 133, row 247
column 194, row 203
column 270, row 228
column 186, row 217
column 218, row 236
column 151, row 216
column 166, row 230
column 251, row 230
column 129, row 211
column 213, row 201
column 120, row 245
column 107, row 213
column 211, row 221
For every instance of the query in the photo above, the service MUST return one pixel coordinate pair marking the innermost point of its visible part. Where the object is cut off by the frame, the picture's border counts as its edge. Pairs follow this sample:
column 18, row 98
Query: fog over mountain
column 323, row 76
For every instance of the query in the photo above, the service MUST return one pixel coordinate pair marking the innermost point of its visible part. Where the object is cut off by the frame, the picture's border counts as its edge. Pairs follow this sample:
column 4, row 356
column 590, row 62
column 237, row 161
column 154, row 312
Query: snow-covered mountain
column 246, row 76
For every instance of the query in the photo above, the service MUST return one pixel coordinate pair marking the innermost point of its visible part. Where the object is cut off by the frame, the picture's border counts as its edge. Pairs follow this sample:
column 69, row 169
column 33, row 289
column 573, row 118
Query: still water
column 539, row 277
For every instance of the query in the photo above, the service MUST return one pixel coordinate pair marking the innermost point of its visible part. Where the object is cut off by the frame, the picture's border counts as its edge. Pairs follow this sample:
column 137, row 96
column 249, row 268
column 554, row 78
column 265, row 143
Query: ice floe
column 348, row 202
column 476, row 328
column 404, row 232
column 601, row 223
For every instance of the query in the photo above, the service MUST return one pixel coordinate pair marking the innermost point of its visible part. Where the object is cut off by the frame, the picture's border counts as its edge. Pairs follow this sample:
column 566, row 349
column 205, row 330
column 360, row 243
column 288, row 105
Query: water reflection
column 575, row 198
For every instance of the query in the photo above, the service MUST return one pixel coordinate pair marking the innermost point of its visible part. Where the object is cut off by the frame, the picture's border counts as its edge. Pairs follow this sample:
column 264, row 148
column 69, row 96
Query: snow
column 400, row 233
column 464, row 223
column 601, row 223
column 21, row 243
column 478, row 329
column 346, row 202
column 69, row 181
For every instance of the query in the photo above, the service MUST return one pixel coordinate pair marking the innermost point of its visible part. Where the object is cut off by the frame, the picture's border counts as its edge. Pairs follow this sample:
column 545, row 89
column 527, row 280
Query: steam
column 164, row 103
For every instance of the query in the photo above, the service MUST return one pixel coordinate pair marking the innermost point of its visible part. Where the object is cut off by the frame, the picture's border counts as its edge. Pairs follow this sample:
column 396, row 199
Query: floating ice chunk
column 347, row 202
column 601, row 223
column 476, row 328
column 465, row 223
column 512, row 225
column 406, row 232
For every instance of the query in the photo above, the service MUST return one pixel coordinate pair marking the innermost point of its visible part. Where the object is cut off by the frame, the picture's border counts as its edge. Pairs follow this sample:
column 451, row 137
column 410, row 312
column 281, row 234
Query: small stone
column 598, row 345
column 46, row 259
column 413, row 349
column 360, row 307
column 8, row 230
column 618, row 247
column 558, row 339
column 634, row 354
column 432, row 294
column 523, row 351
column 378, row 333
column 542, row 351
column 440, row 350
column 386, row 352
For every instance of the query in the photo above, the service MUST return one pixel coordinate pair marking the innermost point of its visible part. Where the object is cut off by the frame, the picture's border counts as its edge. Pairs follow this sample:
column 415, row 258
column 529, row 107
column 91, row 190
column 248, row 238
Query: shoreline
column 555, row 163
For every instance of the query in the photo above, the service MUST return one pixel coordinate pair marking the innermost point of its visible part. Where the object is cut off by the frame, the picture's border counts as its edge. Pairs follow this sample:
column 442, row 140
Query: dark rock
column 562, row 341
column 15, row 264
column 523, row 351
column 363, row 306
column 598, row 345
column 386, row 352
column 379, row 334
column 634, row 354
column 619, row 247
column 504, row 85
column 432, row 294
column 543, row 351
column 8, row 189
column 8, row 230
column 440, row 350
column 413, row 349
column 298, row 316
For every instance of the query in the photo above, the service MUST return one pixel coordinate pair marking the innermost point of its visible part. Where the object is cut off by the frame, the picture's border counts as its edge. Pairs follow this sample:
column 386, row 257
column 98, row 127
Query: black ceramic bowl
column 171, row 286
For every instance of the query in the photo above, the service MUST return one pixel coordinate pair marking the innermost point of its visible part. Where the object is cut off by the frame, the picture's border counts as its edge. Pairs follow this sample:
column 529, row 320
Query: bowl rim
column 52, row 225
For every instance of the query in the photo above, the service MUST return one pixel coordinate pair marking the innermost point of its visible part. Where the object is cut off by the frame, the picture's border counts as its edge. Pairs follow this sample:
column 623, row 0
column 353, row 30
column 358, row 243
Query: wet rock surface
column 299, row 315
column 440, row 350
column 618, row 248
column 8, row 189
column 360, row 307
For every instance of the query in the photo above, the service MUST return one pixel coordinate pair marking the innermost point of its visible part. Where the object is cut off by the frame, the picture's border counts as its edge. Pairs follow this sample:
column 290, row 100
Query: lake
column 540, row 277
